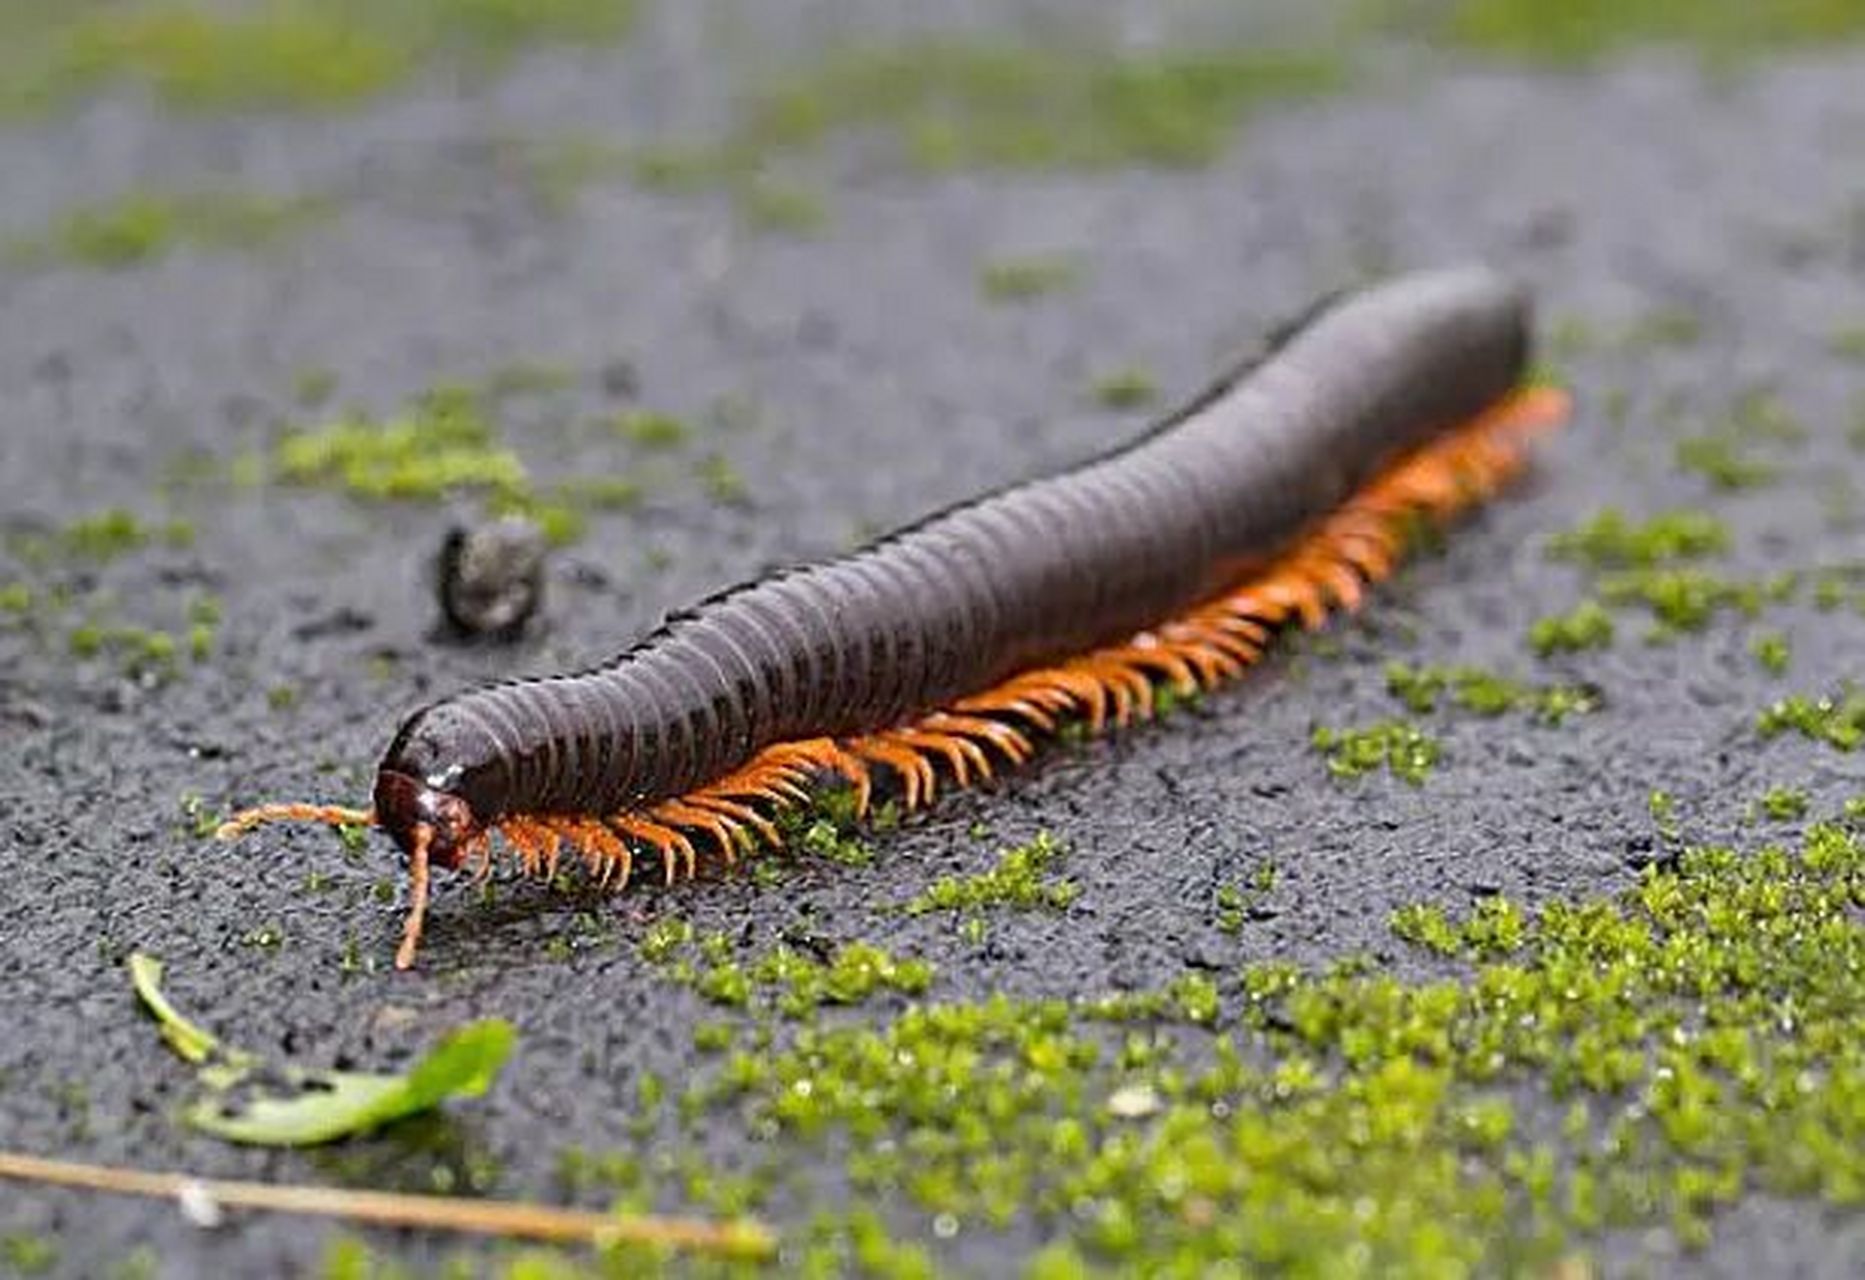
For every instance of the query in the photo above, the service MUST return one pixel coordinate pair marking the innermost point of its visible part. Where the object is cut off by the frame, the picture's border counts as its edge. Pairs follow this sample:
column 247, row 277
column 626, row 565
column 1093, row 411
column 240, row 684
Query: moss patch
column 1125, row 389
column 1586, row 626
column 143, row 226
column 1020, row 882
column 1610, row 540
column 1021, row 279
column 959, row 104
column 1484, row 692
column 650, row 430
column 1837, row 720
column 1404, row 749
column 98, row 538
column 1772, row 652
column 447, row 440
column 1588, row 29
column 442, row 442
column 291, row 54
column 1594, row 1065
column 1686, row 599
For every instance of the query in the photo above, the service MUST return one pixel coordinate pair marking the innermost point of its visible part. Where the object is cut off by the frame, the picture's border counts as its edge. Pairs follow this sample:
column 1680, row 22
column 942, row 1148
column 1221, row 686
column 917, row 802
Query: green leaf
column 186, row 1039
column 337, row 1104
column 318, row 1106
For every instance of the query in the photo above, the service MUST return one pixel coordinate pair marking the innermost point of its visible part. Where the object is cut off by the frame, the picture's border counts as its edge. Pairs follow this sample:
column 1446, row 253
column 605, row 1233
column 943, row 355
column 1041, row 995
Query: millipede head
column 421, row 816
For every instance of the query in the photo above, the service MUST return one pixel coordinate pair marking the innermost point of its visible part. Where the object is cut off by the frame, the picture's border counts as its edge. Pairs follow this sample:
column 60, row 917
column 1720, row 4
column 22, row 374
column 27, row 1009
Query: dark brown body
column 963, row 599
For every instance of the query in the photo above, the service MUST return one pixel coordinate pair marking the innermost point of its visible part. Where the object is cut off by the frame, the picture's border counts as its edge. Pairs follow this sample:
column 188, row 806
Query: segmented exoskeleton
column 1275, row 495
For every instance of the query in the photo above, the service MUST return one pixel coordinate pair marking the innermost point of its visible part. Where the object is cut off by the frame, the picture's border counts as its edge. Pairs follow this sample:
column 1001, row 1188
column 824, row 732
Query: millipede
column 952, row 646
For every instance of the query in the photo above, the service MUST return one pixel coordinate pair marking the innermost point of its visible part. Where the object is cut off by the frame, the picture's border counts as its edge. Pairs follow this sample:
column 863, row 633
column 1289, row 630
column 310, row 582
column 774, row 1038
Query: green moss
column 137, row 651
column 1772, row 652
column 143, row 226
column 1125, row 389
column 650, row 430
column 140, row 1263
column 1849, row 343
column 582, row 1171
column 106, row 535
column 312, row 386
column 265, row 937
column 600, row 493
column 1585, row 30
column 1587, row 626
column 1722, row 459
column 1686, row 599
column 1594, row 1065
column 664, row 938
column 1664, row 327
column 1019, row 881
column 444, row 441
column 1609, row 540
column 1404, row 749
column 954, row 104
column 827, row 829
column 772, row 204
column 101, row 537
column 1784, row 804
column 1021, row 279
column 721, row 479
column 1838, row 721
column 25, row 1254
column 796, row 984
column 291, row 54
column 782, row 980
column 1484, row 693
column 1235, row 904
column 558, row 168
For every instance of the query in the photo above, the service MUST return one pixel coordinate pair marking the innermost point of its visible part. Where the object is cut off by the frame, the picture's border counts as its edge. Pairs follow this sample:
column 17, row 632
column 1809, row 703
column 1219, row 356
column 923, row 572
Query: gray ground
column 883, row 385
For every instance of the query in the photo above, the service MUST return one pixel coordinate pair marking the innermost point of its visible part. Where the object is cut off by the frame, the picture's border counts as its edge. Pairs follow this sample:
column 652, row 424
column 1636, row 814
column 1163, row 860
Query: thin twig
column 742, row 1239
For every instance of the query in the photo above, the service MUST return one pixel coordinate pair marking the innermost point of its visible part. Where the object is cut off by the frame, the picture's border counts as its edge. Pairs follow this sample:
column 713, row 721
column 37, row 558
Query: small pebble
column 491, row 578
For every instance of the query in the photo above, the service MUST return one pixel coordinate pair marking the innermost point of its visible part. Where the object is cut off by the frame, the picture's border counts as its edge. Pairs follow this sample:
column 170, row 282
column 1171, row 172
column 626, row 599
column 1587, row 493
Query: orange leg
column 724, row 831
column 759, row 780
column 1063, row 688
column 828, row 755
column 961, row 753
column 675, row 849
column 1128, row 688
column 1025, row 705
column 1209, row 656
column 1016, row 746
column 603, row 852
column 737, row 812
column 915, row 770
column 1149, row 652
column 535, row 843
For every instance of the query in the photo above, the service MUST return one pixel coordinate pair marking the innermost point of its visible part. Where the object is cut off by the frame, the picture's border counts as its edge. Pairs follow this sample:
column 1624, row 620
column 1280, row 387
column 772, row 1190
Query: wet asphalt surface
column 868, row 381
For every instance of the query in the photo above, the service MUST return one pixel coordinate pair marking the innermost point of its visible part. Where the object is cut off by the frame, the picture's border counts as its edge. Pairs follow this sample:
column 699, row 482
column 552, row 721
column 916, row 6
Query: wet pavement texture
column 853, row 378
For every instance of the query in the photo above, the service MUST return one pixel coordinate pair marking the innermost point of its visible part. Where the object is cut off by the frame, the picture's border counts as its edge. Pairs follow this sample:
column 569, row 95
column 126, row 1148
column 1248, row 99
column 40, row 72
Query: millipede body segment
column 946, row 648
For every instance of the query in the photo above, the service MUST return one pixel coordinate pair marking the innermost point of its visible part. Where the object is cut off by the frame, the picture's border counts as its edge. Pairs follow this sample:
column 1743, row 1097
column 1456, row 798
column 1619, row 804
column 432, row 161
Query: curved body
column 1012, row 580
